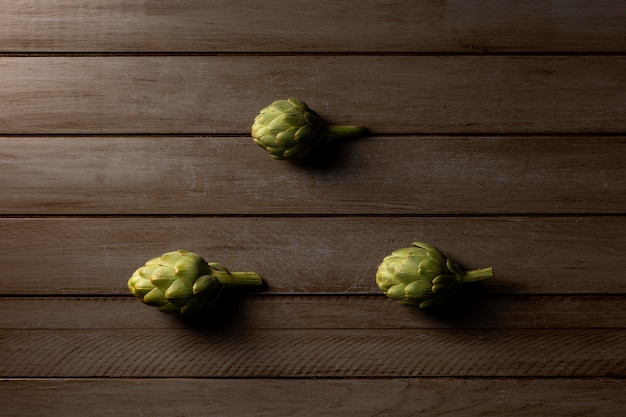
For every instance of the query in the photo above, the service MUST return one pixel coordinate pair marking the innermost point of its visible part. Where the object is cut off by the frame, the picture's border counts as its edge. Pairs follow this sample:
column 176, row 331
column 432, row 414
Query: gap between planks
column 97, row 54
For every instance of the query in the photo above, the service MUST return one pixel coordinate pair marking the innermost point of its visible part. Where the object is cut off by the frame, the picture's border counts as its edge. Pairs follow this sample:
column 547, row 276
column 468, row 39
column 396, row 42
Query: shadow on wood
column 471, row 304
column 330, row 156
column 228, row 313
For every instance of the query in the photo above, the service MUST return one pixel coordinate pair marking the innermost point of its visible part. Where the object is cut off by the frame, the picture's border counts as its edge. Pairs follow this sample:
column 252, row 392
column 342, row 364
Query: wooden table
column 496, row 132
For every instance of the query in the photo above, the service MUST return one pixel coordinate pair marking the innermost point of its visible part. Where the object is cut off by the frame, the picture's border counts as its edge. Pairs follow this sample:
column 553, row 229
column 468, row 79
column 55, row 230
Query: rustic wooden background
column 497, row 134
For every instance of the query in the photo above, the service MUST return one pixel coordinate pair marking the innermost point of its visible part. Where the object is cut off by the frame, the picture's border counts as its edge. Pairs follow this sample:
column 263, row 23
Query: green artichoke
column 289, row 129
column 183, row 282
column 422, row 275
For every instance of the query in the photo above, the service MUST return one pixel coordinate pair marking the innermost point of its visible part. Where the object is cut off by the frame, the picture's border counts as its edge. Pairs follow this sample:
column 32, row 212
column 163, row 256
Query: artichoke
column 183, row 282
column 289, row 129
column 422, row 275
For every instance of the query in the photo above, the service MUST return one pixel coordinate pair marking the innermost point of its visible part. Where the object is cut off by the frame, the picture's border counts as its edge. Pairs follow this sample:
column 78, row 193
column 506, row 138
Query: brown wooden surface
column 497, row 133
column 283, row 26
column 312, row 255
column 314, row 353
column 477, row 310
column 388, row 94
column 324, row 397
column 198, row 175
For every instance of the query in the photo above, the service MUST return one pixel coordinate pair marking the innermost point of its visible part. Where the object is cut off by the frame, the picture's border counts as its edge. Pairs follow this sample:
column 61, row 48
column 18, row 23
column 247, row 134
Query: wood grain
column 319, row 353
column 386, row 94
column 295, row 26
column 231, row 175
column 472, row 311
column 497, row 133
column 305, row 255
column 322, row 397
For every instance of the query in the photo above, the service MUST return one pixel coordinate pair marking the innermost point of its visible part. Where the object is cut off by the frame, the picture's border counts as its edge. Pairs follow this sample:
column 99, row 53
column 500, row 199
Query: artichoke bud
column 424, row 276
column 183, row 282
column 289, row 129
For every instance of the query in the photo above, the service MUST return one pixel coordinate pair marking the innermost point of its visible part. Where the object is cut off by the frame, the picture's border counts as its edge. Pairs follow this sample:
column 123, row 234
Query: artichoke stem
column 477, row 275
column 237, row 279
column 344, row 132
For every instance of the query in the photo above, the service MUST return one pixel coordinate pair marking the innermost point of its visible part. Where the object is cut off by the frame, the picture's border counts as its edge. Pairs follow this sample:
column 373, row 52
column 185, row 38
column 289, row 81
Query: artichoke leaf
column 169, row 308
column 204, row 285
column 155, row 297
column 418, row 289
column 396, row 291
column 179, row 290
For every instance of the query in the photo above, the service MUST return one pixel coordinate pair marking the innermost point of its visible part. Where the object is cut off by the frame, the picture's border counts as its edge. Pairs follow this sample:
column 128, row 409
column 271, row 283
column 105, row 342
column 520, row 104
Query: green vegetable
column 183, row 282
column 289, row 129
column 422, row 275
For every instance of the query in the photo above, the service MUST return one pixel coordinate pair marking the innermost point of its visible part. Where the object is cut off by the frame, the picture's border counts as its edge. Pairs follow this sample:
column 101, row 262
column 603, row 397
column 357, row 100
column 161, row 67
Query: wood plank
column 320, row 397
column 346, row 353
column 320, row 312
column 294, row 26
column 231, row 175
column 387, row 94
column 303, row 255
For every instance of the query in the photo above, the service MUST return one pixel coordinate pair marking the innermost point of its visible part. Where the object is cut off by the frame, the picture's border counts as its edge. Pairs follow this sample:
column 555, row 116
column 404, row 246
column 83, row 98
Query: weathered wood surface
column 199, row 175
column 313, row 353
column 497, row 133
column 475, row 310
column 320, row 397
column 298, row 26
column 307, row 255
column 386, row 94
